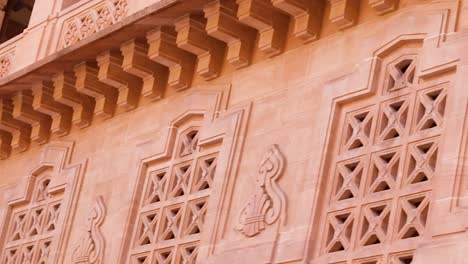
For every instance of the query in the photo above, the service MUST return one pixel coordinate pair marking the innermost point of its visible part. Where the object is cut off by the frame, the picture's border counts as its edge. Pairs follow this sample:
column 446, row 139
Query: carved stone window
column 174, row 203
column 185, row 173
column 40, row 208
column 32, row 226
column 382, row 167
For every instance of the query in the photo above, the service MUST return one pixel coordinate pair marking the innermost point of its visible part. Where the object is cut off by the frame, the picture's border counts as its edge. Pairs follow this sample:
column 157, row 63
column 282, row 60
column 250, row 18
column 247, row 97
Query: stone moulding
column 268, row 202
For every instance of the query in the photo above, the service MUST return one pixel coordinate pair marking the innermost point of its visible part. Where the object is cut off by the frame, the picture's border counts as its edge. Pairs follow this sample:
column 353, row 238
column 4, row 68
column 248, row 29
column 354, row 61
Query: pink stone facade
column 235, row 131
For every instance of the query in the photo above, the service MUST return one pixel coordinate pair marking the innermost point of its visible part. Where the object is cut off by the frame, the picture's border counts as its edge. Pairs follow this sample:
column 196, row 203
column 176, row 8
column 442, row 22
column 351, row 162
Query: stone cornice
column 160, row 47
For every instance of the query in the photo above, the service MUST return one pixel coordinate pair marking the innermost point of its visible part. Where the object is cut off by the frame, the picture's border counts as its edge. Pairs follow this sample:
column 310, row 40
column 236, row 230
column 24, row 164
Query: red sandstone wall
column 347, row 150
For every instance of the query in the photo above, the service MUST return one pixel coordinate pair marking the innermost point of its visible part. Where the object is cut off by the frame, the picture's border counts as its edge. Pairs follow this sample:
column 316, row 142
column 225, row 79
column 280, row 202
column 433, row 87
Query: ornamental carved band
column 268, row 202
column 98, row 18
column 90, row 250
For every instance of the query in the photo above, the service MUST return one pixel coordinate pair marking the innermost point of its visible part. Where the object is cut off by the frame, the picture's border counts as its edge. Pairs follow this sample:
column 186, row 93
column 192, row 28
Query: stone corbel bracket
column 268, row 203
column 344, row 13
column 306, row 14
column 44, row 102
column 65, row 93
column 384, row 6
column 271, row 24
column 137, row 62
column 88, row 83
column 112, row 78
column 127, row 85
column 191, row 36
column 20, row 132
column 163, row 50
column 222, row 23
column 23, row 110
column 5, row 144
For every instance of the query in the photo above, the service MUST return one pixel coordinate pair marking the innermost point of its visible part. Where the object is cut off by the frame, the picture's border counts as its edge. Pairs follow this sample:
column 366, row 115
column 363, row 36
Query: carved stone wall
column 39, row 209
column 386, row 156
column 245, row 131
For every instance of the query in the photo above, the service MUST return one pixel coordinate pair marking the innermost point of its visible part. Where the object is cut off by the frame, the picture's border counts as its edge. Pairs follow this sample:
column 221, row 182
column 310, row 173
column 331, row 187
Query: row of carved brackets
column 117, row 80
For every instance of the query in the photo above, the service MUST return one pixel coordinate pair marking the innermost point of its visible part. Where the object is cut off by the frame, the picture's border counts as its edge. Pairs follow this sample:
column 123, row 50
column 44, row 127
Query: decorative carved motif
column 5, row 64
column 91, row 247
column 383, row 167
column 268, row 202
column 96, row 19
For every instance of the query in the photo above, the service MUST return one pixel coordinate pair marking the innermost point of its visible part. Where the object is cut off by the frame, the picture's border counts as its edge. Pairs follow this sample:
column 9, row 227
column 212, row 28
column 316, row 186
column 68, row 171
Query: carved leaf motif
column 90, row 250
column 268, row 202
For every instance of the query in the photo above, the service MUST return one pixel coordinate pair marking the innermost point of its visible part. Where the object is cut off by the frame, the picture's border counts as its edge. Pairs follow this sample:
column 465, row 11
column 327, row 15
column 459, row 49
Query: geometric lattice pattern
column 382, row 169
column 357, row 129
column 401, row 73
column 32, row 227
column 174, row 203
